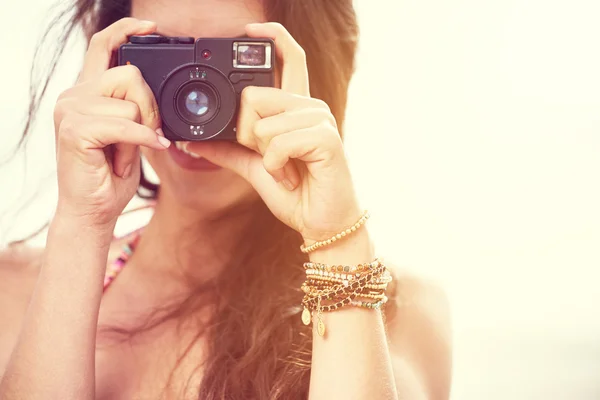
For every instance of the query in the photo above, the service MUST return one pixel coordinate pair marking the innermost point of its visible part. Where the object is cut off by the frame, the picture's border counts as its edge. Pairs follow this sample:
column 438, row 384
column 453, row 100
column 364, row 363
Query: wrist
column 350, row 240
column 338, row 224
column 77, row 251
column 353, row 249
column 78, row 228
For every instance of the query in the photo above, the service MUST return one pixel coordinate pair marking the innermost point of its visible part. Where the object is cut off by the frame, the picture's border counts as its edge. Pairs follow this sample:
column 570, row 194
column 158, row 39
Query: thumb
column 226, row 154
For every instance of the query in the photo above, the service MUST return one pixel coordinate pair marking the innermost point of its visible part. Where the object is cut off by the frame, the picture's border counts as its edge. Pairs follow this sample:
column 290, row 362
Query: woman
column 208, row 303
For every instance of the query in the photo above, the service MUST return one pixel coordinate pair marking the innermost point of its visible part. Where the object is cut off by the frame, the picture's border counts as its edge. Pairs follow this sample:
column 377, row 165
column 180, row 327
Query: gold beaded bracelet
column 322, row 268
column 344, row 233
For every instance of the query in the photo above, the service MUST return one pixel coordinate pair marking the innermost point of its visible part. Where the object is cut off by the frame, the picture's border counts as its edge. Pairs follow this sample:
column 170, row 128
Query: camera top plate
column 157, row 39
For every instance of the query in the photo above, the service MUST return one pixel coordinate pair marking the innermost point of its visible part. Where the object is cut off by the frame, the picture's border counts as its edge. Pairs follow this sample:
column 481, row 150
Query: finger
column 125, row 155
column 104, row 43
column 289, row 175
column 127, row 83
column 82, row 133
column 96, row 105
column 124, row 159
column 294, row 75
column 244, row 162
column 257, row 103
column 226, row 154
column 239, row 159
column 268, row 128
column 317, row 144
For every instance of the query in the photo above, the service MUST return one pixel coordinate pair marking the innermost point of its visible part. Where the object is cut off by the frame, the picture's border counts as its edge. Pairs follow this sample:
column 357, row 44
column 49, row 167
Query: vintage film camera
column 197, row 83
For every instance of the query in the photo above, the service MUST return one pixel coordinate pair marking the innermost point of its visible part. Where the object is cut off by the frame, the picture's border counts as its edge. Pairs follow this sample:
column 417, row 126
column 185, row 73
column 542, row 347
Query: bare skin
column 419, row 337
column 71, row 267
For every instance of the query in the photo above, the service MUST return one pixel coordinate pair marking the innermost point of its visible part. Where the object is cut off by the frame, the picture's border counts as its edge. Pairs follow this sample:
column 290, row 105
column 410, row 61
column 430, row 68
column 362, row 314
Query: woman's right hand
column 100, row 124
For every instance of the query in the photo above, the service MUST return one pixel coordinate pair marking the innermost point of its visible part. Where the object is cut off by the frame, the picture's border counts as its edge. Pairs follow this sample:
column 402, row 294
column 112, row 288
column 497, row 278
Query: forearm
column 352, row 361
column 54, row 354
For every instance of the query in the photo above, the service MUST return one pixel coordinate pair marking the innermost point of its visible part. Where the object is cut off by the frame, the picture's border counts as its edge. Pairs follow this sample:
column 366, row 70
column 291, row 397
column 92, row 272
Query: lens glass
column 251, row 54
column 196, row 102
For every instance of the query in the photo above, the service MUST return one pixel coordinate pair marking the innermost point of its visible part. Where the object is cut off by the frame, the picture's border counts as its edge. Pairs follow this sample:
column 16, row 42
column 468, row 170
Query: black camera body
column 197, row 83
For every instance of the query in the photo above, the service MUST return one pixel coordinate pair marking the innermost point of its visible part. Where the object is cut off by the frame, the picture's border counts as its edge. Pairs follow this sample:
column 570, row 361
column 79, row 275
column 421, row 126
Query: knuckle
column 249, row 94
column 260, row 129
column 132, row 111
column 295, row 47
column 60, row 109
column 300, row 52
column 98, row 39
column 278, row 27
column 325, row 115
column 322, row 105
column 329, row 129
column 330, row 118
column 270, row 164
column 245, row 141
column 64, row 94
column 69, row 128
column 132, row 73
column 128, row 21
column 275, row 145
column 331, row 134
column 121, row 128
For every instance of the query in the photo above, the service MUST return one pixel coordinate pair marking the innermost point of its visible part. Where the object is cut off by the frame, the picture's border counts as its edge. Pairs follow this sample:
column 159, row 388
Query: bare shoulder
column 419, row 329
column 19, row 269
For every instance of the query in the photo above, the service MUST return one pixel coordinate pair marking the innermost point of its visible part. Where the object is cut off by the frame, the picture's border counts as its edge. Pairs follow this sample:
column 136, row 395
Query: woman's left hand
column 289, row 148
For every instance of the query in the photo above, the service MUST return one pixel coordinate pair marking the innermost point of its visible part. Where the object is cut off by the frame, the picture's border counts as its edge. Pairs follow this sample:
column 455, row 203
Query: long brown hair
column 259, row 349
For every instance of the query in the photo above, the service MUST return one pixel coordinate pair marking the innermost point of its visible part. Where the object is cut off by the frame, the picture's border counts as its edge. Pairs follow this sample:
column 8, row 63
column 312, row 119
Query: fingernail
column 127, row 171
column 288, row 184
column 160, row 132
column 164, row 141
column 147, row 23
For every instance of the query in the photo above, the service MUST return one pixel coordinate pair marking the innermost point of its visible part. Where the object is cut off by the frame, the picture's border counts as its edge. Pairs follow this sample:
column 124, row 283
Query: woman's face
column 191, row 181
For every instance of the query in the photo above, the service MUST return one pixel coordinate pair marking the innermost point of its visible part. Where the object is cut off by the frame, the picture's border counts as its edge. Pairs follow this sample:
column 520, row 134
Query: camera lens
column 196, row 102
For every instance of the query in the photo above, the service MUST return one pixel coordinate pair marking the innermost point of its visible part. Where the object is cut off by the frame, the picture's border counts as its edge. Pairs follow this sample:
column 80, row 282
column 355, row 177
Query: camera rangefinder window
column 251, row 55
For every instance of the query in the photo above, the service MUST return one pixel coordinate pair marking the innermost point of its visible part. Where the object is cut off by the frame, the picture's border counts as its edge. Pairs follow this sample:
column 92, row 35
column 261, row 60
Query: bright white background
column 473, row 133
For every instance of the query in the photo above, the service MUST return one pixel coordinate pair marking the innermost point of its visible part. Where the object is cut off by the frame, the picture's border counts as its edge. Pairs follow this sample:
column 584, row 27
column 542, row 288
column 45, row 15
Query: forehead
column 199, row 18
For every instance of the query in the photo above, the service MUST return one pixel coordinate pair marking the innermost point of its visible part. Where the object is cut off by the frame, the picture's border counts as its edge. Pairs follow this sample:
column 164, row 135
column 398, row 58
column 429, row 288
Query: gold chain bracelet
column 326, row 290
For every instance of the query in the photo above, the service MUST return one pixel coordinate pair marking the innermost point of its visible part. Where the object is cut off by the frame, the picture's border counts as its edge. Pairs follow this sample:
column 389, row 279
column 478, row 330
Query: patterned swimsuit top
column 117, row 265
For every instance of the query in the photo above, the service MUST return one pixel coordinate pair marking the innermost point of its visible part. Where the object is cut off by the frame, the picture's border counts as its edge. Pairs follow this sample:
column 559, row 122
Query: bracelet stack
column 330, row 287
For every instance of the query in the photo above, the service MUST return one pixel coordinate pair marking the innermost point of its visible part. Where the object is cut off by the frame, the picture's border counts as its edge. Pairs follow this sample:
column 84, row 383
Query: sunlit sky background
column 473, row 134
